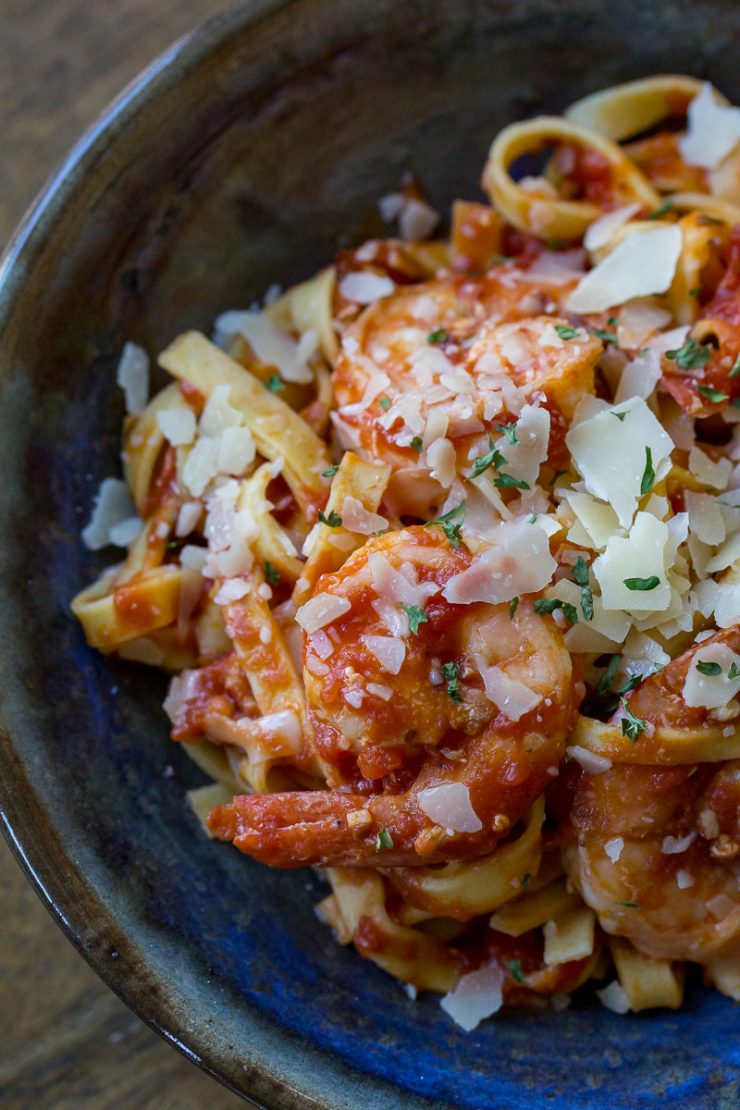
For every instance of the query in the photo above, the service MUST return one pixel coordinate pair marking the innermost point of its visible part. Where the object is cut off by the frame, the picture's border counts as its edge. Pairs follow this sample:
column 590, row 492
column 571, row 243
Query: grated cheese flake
column 449, row 805
column 713, row 130
column 132, row 375
column 643, row 262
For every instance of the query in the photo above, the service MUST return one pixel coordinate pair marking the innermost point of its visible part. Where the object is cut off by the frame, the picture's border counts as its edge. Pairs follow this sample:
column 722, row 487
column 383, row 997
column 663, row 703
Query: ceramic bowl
column 248, row 154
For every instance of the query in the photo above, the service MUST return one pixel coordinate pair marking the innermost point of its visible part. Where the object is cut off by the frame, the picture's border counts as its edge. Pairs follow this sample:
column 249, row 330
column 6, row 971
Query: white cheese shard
column 478, row 995
column 614, row 998
column 236, row 450
column 441, row 459
column 365, row 288
column 533, row 435
column 233, row 589
column 713, row 130
column 356, row 518
column 177, row 425
column 641, row 555
column 706, row 520
column 601, row 231
column 609, row 451
column 218, row 413
column 710, row 691
column 597, row 518
column 449, row 805
column 639, row 319
column 511, row 697
column 390, row 651
column 592, row 763
column 112, row 506
column 187, row 518
column 643, row 262
column 518, row 562
column 321, row 610
column 675, row 845
column 272, row 346
column 613, row 848
column 417, row 220
column 201, row 465
column 399, row 586
column 639, row 377
column 727, row 556
column 716, row 475
column 132, row 375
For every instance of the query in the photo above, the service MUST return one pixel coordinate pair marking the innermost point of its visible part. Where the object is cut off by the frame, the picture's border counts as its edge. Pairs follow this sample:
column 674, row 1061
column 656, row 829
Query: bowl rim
column 274, row 1081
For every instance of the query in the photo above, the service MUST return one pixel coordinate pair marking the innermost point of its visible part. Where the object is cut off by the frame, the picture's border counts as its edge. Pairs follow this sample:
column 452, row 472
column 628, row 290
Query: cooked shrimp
column 424, row 373
column 390, row 746
column 655, row 851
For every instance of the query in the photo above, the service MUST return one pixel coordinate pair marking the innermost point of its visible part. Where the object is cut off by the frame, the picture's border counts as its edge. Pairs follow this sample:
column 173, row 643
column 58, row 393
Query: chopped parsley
column 438, row 336
column 613, row 321
column 716, row 396
column 663, row 210
column 451, row 674
column 642, row 584
column 526, row 879
column 416, row 617
column 580, row 577
column 508, row 481
column 604, row 683
column 550, row 604
column 734, row 671
column 331, row 471
column 690, row 356
column 620, row 416
column 416, row 443
column 509, row 430
column 333, row 519
column 515, row 967
column 735, row 403
column 493, row 457
column 272, row 574
column 275, row 383
column 648, row 477
column 735, row 368
column 514, row 605
column 383, row 841
column 451, row 522
column 712, row 669
column 566, row 333
column 604, row 336
column 631, row 682
column 629, row 905
column 632, row 726
column 385, row 403
column 532, row 519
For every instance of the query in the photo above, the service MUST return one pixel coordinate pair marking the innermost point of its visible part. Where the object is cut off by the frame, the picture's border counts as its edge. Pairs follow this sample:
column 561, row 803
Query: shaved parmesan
column 525, row 457
column 201, row 465
column 234, row 589
column 478, row 995
column 598, row 519
column 519, row 562
column 125, row 532
column 177, row 425
column 684, row 879
column 187, row 518
column 712, row 691
column 236, row 450
column 614, row 998
column 510, row 696
column 449, row 805
column 705, row 517
column 390, row 651
column 674, row 846
column 132, row 375
column 638, row 319
column 112, row 505
column 365, row 288
column 601, row 231
column 610, row 454
column 727, row 556
column 321, row 610
column 642, row 263
column 613, row 848
column 395, row 585
column 441, row 459
column 271, row 346
column 639, row 377
column 641, row 555
column 592, row 763
column 716, row 475
column 193, row 557
column 713, row 130
column 356, row 518
column 417, row 220
column 218, row 414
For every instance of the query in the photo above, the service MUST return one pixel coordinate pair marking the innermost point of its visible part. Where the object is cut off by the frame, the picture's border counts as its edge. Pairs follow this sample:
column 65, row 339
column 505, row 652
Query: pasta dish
column 441, row 549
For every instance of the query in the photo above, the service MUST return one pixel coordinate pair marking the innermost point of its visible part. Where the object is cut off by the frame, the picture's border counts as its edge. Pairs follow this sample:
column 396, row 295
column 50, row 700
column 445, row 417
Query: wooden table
column 65, row 1040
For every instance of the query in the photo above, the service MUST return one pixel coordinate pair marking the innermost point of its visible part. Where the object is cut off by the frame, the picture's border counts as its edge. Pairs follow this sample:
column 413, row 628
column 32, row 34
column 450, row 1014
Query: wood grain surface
column 65, row 1040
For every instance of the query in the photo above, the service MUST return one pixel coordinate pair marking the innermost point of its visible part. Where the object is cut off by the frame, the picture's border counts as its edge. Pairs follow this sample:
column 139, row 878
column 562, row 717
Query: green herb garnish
column 451, row 522
column 629, row 905
column 620, row 416
column 642, row 584
column 711, row 669
column 580, row 577
column 648, row 477
column 550, row 604
column 416, row 443
column 509, row 430
column 515, row 967
column 385, row 403
column 275, row 383
column 514, row 605
column 690, row 356
column 493, row 457
column 383, row 841
column 272, row 574
column 565, row 332
column 663, row 210
column 604, row 336
column 604, row 683
column 438, row 336
column 735, row 368
column 451, row 674
column 632, row 726
column 508, row 481
column 333, row 519
column 416, row 617
column 716, row 396
column 734, row 671
column 331, row 471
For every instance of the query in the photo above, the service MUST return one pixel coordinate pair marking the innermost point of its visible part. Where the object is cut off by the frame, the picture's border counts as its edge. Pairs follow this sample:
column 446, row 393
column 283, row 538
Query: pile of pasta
column 442, row 550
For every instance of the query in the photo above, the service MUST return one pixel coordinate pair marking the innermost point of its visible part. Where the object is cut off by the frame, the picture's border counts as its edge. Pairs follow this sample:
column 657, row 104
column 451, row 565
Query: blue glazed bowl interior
column 250, row 155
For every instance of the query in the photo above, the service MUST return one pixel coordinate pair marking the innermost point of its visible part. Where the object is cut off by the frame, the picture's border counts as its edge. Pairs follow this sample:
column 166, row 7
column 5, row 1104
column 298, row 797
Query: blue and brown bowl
column 246, row 155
